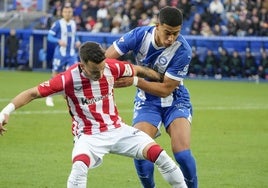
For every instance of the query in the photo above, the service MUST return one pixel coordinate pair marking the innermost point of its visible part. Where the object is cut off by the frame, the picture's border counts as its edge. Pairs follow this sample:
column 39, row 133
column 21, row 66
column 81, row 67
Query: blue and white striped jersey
column 172, row 61
column 66, row 31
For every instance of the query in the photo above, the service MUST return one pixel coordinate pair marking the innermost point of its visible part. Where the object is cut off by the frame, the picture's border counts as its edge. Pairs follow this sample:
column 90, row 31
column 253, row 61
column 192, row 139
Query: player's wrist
column 2, row 117
column 8, row 109
column 135, row 81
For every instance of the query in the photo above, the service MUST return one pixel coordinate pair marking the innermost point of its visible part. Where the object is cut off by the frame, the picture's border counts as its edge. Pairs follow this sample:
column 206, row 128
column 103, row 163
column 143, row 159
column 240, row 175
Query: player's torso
column 67, row 33
column 163, row 60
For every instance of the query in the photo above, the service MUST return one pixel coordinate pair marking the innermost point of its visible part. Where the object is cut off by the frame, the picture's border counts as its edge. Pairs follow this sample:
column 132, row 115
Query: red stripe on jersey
column 71, row 89
column 91, row 103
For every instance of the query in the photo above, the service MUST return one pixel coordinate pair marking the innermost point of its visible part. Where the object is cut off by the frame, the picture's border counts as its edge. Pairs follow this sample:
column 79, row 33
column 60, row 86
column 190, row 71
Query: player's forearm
column 25, row 97
column 154, row 88
column 148, row 73
column 52, row 39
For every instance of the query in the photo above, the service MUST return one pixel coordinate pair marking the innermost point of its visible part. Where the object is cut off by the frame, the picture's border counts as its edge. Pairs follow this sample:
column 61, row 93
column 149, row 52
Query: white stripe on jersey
column 99, row 113
column 64, row 36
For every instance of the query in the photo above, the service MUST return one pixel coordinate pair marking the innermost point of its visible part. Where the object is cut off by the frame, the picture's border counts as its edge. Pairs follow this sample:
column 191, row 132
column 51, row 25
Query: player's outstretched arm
column 20, row 100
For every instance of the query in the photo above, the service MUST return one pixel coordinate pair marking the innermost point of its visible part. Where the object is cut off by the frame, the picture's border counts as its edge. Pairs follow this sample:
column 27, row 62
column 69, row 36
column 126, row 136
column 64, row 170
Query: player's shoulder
column 183, row 42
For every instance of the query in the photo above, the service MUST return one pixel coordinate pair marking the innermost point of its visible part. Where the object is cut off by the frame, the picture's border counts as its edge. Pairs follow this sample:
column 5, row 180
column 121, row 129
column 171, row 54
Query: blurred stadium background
column 208, row 26
column 230, row 118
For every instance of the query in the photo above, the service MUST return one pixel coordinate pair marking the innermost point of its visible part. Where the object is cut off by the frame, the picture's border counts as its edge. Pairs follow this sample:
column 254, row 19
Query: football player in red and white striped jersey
column 96, row 125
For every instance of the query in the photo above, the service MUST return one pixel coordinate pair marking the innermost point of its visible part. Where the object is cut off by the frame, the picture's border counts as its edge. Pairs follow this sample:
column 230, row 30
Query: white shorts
column 125, row 140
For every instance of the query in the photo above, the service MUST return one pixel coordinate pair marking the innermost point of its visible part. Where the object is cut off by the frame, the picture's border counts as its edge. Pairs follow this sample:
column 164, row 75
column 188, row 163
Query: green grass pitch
column 229, row 137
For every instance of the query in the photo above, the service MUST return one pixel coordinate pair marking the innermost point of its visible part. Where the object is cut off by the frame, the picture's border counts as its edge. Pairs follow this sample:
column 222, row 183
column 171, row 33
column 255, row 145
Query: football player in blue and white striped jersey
column 164, row 49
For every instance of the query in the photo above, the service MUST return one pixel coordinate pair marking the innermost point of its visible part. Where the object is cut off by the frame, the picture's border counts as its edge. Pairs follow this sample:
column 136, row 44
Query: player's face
column 166, row 35
column 67, row 13
column 92, row 70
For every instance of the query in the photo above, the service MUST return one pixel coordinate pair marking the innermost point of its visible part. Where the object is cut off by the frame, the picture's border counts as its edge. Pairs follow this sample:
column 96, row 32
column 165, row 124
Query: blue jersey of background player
column 162, row 48
column 63, row 33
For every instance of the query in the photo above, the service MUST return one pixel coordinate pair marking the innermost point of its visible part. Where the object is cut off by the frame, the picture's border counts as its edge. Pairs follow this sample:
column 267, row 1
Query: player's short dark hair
column 66, row 5
column 91, row 51
column 170, row 16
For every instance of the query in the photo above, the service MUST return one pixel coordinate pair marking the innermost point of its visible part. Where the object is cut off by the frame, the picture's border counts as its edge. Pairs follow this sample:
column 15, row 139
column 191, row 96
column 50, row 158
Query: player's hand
column 77, row 44
column 123, row 82
column 3, row 121
column 62, row 43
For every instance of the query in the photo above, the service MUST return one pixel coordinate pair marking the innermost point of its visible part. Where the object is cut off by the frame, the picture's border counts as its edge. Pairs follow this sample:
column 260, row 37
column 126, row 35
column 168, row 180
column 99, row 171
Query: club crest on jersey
column 162, row 60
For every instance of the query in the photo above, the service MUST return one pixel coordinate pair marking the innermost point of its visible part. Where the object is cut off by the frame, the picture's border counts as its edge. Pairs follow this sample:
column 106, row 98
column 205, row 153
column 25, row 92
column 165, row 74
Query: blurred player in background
column 63, row 33
column 12, row 44
column 162, row 48
column 96, row 125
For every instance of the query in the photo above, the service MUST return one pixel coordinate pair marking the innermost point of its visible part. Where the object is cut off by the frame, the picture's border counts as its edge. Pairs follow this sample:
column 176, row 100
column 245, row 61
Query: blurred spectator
column 250, row 66
column 90, row 22
column 216, row 9
column 77, row 6
column 12, row 46
column 254, row 27
column 144, row 20
column 186, row 7
column 236, row 64
column 97, row 26
column 106, row 23
column 44, row 22
column 263, row 66
column 209, row 64
column 230, row 7
column 206, row 30
column 231, row 26
column 195, row 68
column 217, row 30
column 80, row 25
column 93, row 8
column 223, row 64
column 55, row 6
column 102, row 12
column 196, row 25
column 84, row 13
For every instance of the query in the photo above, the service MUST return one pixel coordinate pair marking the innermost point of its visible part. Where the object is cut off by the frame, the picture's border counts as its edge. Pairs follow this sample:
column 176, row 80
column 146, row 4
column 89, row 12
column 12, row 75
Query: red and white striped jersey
column 91, row 103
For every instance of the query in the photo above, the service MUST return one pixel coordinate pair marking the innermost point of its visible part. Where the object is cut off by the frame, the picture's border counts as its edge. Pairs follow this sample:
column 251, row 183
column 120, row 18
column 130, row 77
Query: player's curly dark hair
column 91, row 51
column 170, row 16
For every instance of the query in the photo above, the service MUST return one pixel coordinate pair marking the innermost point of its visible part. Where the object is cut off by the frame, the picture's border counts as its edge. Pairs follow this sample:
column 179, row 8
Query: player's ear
column 81, row 65
column 157, row 25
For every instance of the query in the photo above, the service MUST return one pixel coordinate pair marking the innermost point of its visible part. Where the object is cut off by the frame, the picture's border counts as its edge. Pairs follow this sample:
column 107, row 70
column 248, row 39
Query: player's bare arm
column 160, row 89
column 148, row 73
column 111, row 52
column 25, row 97
column 140, row 71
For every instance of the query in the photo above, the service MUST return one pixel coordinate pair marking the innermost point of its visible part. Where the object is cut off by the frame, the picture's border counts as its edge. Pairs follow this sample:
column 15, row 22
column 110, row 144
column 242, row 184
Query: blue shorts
column 61, row 63
column 157, row 115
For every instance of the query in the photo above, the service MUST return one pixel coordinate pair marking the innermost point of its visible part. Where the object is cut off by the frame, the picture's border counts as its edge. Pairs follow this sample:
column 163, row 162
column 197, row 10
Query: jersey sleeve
column 53, row 32
column 120, row 68
column 52, row 86
column 129, row 41
column 179, row 68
